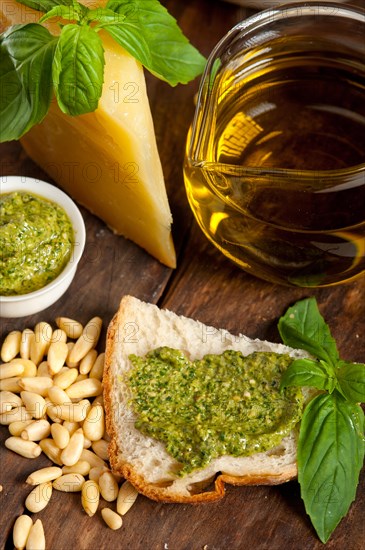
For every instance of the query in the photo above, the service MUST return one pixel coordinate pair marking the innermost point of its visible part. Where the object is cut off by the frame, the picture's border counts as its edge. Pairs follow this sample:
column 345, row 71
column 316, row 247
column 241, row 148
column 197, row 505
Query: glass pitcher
column 275, row 160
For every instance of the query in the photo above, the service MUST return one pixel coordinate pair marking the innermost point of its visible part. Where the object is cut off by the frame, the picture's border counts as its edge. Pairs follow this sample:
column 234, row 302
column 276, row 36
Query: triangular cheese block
column 107, row 160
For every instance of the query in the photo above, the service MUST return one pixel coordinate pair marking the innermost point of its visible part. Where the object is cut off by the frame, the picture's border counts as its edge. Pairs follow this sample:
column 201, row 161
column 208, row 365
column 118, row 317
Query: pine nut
column 40, row 343
column 71, row 427
column 27, row 336
column 60, row 435
column 81, row 467
column 108, row 487
column 30, row 369
column 10, row 370
column 56, row 356
column 64, row 369
column 9, row 400
column 100, row 448
column 58, row 335
column 16, row 428
column 80, row 378
column 90, row 496
column 16, row 414
column 126, row 498
column 54, row 412
column 96, row 472
column 37, row 384
column 69, row 363
column 43, row 370
column 51, row 450
column 11, row 346
column 87, row 443
column 43, row 475
column 94, row 423
column 58, row 396
column 34, row 403
column 94, row 460
column 71, row 454
column 112, row 519
column 36, row 430
column 98, row 367
column 73, row 412
column 88, row 361
column 28, row 449
column 10, row 384
column 51, row 410
column 99, row 400
column 39, row 497
column 87, row 341
column 21, row 530
column 36, row 539
column 64, row 379
column 91, row 387
column 72, row 328
column 69, row 483
column 81, row 409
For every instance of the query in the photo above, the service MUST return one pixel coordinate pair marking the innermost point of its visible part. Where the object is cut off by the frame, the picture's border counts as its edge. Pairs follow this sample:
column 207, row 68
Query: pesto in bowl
column 36, row 240
column 51, row 237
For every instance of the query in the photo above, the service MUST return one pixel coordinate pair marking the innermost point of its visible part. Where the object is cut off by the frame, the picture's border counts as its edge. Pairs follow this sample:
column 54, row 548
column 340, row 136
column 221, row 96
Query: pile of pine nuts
column 51, row 401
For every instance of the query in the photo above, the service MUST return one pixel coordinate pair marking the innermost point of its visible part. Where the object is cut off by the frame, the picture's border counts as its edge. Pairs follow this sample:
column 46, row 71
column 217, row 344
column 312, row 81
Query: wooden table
column 205, row 286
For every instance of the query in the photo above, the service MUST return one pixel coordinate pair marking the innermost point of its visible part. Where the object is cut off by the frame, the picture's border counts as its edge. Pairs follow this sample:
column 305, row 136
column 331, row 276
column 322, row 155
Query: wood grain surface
column 207, row 287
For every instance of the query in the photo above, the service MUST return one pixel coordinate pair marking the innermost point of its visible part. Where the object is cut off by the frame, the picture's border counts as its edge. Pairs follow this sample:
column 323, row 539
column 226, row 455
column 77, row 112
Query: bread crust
column 125, row 469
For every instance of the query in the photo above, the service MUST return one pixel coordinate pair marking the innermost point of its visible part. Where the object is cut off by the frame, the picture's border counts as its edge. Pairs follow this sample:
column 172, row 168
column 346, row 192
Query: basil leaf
column 330, row 457
column 44, row 5
column 351, row 377
column 78, row 69
column 26, row 54
column 306, row 372
column 303, row 327
column 70, row 13
column 152, row 36
column 105, row 16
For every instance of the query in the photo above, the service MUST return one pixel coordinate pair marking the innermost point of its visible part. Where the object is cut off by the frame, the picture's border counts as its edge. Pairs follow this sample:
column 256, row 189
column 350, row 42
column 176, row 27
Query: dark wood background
column 205, row 286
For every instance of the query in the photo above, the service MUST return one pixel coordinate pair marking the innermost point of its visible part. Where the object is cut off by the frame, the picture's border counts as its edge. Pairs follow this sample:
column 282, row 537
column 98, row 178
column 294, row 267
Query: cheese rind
column 107, row 160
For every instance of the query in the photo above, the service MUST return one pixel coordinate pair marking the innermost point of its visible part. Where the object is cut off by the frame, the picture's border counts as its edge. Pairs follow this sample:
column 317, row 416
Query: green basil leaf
column 152, row 36
column 105, row 16
column 306, row 372
column 330, row 457
column 351, row 377
column 66, row 12
column 303, row 327
column 26, row 54
column 44, row 5
column 78, row 69
column 80, row 8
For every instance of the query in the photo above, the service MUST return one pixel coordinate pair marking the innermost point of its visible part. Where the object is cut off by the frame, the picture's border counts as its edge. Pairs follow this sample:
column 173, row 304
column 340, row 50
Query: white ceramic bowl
column 33, row 302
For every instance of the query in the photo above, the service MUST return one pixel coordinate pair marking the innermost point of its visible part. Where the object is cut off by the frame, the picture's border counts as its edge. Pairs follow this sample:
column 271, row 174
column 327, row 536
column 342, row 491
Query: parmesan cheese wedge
column 107, row 160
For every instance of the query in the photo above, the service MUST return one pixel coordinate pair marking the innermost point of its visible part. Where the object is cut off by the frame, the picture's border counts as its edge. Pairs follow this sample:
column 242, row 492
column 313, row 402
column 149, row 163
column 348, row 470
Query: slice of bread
column 138, row 328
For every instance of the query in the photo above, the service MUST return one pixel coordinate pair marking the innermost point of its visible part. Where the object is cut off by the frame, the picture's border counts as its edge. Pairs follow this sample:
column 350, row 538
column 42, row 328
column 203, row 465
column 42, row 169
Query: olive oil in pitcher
column 276, row 176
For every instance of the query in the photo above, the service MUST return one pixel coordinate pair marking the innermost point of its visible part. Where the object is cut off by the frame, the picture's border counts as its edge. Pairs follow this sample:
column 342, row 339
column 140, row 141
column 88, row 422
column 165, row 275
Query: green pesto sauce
column 219, row 405
column 36, row 241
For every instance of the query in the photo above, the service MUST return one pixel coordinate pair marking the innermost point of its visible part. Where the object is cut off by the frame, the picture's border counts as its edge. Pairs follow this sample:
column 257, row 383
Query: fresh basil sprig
column 26, row 56
column 331, row 440
column 45, row 5
column 78, row 69
column 33, row 62
column 153, row 37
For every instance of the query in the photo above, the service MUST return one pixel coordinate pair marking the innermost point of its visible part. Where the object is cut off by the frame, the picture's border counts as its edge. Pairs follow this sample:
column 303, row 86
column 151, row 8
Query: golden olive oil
column 280, row 188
